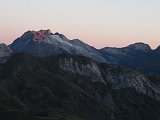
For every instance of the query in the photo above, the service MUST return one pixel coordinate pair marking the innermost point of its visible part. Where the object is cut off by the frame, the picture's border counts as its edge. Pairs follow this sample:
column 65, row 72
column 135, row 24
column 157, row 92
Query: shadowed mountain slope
column 74, row 88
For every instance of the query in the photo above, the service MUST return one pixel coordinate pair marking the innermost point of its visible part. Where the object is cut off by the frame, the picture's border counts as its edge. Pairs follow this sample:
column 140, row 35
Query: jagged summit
column 42, row 34
column 45, row 43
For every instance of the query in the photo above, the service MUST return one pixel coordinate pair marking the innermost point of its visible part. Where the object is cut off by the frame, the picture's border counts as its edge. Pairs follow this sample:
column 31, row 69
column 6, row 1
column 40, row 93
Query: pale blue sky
column 98, row 22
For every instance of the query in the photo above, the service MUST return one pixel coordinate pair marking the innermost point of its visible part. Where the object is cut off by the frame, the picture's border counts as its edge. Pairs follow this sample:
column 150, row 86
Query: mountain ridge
column 138, row 56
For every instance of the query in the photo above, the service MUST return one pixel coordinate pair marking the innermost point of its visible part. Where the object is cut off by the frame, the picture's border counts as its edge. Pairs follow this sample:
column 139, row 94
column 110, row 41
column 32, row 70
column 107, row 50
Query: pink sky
column 104, row 23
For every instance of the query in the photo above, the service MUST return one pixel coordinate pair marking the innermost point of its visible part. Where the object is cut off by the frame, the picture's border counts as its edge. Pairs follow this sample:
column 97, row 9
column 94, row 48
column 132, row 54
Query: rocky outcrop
column 116, row 77
column 91, row 70
column 5, row 53
column 41, row 35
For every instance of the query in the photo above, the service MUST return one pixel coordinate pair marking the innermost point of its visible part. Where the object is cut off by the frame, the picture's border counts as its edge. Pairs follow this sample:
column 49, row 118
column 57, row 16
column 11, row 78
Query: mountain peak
column 41, row 34
column 140, row 46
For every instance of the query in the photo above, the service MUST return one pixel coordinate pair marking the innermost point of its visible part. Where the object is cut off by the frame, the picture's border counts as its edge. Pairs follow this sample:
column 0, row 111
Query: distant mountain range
column 138, row 56
column 46, row 76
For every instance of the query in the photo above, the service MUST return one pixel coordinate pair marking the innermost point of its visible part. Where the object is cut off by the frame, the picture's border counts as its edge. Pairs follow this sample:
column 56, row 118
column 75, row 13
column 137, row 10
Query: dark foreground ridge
column 67, row 87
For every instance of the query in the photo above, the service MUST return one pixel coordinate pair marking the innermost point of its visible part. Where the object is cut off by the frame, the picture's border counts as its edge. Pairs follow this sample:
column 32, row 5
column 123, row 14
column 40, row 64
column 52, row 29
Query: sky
column 100, row 23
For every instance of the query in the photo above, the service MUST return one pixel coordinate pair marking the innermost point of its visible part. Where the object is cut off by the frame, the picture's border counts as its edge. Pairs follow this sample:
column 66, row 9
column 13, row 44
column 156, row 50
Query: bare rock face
column 5, row 53
column 122, row 78
column 90, row 69
column 117, row 77
column 42, row 34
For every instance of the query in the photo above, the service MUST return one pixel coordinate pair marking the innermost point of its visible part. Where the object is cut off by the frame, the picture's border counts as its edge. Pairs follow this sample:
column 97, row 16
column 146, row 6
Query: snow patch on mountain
column 59, row 39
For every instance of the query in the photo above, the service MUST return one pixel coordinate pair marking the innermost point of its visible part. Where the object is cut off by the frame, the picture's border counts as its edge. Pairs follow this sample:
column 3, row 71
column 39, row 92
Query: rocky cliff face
column 125, row 89
column 5, row 53
column 90, row 69
column 69, row 87
column 116, row 77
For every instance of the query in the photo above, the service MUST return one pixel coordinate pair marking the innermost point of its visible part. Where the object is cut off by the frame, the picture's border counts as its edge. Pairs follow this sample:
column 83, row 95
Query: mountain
column 45, row 43
column 49, row 77
column 74, row 88
column 138, row 56
column 5, row 53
